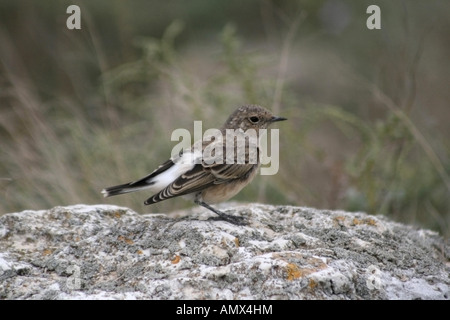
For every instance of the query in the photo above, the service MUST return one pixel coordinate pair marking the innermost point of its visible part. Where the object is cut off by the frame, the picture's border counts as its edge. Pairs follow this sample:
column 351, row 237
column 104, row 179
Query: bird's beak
column 275, row 119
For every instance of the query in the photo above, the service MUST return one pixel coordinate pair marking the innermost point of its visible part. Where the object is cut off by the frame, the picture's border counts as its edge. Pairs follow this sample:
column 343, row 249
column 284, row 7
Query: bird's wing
column 200, row 178
column 210, row 171
column 148, row 179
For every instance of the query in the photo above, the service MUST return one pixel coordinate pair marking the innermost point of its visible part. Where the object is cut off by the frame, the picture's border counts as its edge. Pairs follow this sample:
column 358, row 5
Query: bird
column 209, row 180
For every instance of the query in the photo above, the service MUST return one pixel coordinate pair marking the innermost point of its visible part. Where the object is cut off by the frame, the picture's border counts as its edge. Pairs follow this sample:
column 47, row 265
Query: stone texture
column 109, row 252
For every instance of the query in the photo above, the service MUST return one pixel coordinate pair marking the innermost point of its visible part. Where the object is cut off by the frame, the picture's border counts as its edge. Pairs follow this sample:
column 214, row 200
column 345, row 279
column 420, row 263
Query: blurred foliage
column 368, row 110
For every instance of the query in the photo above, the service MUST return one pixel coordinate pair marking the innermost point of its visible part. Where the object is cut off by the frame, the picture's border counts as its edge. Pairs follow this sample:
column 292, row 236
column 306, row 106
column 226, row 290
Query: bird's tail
column 124, row 188
column 147, row 182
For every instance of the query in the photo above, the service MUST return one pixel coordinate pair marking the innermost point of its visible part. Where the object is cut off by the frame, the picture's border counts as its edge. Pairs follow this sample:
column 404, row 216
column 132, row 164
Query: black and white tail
column 144, row 183
column 124, row 188
column 164, row 175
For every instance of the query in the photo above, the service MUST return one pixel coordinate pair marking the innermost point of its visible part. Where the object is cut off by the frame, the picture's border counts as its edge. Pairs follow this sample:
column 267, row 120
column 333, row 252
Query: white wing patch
column 181, row 165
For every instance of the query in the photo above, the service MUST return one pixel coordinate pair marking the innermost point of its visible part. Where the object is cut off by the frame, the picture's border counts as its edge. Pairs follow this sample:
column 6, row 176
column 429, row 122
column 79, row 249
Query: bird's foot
column 236, row 220
column 239, row 221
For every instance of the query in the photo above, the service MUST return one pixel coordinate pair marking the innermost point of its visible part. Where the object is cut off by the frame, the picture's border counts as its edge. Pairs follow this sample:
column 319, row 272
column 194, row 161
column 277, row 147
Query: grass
column 354, row 140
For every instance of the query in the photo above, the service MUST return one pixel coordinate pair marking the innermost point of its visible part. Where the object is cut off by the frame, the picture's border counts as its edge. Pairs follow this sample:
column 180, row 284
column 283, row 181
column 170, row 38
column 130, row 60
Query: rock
column 109, row 252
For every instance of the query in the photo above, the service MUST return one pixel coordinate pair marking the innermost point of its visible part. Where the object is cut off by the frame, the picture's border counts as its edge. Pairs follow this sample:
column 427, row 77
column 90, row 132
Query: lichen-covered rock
column 109, row 252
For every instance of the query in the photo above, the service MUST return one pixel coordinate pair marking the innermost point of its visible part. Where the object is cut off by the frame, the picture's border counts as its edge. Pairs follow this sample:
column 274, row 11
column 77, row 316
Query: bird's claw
column 236, row 220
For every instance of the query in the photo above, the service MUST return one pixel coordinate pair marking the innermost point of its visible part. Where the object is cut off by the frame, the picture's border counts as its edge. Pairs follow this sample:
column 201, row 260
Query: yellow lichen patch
column 46, row 252
column 293, row 272
column 126, row 240
column 312, row 284
column 140, row 252
column 368, row 221
column 236, row 242
column 117, row 214
column 176, row 259
column 339, row 220
column 287, row 256
column 314, row 265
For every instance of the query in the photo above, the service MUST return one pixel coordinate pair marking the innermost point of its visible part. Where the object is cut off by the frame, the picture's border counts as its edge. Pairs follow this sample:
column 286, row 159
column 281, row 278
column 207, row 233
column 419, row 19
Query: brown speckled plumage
column 208, row 182
column 240, row 118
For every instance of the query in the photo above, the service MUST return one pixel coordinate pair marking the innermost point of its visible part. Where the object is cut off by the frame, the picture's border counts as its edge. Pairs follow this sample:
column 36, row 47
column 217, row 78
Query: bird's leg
column 240, row 221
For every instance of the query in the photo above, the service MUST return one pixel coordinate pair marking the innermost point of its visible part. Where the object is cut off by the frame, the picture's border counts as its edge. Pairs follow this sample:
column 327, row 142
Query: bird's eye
column 254, row 119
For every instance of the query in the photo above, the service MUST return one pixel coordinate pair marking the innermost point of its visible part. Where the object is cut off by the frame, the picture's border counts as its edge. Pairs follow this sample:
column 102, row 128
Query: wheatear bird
column 209, row 180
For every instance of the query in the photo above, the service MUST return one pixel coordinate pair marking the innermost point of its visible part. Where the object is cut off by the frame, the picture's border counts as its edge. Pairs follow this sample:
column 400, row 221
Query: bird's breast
column 224, row 191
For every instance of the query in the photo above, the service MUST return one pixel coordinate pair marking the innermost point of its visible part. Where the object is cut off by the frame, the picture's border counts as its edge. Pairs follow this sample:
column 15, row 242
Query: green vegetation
column 368, row 110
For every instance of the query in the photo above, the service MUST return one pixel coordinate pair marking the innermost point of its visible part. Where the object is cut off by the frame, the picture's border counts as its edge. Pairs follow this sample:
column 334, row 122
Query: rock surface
column 109, row 252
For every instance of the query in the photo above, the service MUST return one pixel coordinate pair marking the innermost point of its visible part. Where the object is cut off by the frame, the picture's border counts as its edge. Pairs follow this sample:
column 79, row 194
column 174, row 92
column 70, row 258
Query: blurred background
column 368, row 110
